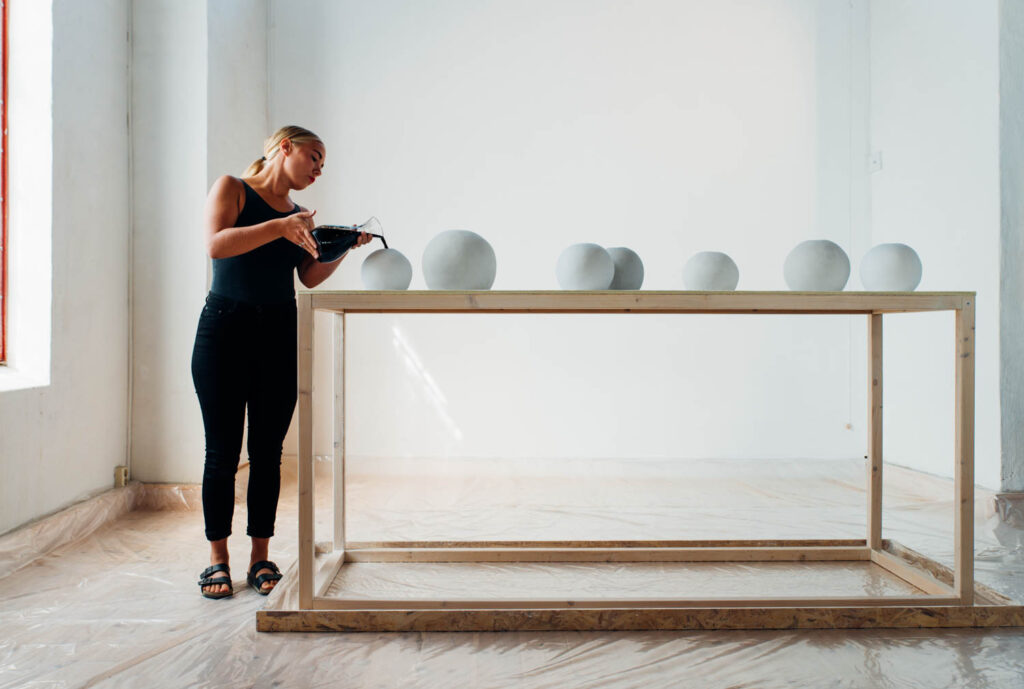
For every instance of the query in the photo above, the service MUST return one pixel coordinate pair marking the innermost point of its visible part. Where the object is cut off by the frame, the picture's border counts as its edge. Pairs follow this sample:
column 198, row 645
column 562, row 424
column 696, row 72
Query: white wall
column 1011, row 321
column 669, row 127
column 935, row 118
column 60, row 440
column 236, row 89
column 169, row 145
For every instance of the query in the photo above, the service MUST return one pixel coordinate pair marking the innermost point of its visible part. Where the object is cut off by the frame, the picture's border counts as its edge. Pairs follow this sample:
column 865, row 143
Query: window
column 27, row 112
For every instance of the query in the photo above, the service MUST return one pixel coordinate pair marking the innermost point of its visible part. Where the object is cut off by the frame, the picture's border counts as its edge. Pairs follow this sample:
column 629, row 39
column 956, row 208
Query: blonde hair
column 294, row 133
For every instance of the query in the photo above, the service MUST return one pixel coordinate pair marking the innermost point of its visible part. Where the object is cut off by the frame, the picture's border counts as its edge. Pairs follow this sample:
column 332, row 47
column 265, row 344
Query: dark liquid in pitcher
column 334, row 240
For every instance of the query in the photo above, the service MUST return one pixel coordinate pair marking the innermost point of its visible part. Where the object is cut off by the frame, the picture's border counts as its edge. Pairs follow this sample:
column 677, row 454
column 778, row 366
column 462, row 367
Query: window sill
column 13, row 379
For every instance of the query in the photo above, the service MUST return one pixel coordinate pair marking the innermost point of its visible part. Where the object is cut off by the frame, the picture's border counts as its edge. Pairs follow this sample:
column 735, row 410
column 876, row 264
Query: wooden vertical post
column 339, row 431
column 963, row 574
column 305, row 404
column 874, row 465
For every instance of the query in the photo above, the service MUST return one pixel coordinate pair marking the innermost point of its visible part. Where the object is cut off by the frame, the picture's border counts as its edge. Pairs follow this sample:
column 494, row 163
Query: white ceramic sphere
column 711, row 271
column 386, row 269
column 817, row 265
column 629, row 269
column 585, row 266
column 890, row 268
column 459, row 259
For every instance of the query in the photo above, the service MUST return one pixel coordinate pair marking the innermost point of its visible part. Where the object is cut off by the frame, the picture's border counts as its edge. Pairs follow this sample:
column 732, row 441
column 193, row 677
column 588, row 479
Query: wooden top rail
column 559, row 301
column 483, row 301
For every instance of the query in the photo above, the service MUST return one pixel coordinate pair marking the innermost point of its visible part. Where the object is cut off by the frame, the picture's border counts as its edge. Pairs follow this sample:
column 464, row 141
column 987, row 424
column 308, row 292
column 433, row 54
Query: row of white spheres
column 463, row 260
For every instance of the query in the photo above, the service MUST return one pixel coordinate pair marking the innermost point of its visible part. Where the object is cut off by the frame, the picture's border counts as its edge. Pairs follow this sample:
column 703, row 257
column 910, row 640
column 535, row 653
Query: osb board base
column 636, row 620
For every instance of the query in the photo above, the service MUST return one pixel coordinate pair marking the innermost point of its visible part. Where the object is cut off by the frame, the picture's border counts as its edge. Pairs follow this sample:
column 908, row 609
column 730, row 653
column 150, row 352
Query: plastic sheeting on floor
column 120, row 607
column 568, row 581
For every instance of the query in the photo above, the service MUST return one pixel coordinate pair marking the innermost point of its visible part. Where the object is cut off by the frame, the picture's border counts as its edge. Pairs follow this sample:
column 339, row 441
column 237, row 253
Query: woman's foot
column 263, row 576
column 218, row 556
column 209, row 580
column 261, row 553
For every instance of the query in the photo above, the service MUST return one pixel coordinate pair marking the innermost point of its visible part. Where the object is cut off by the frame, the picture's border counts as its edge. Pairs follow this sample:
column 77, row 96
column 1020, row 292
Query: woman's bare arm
column 223, row 205
column 312, row 272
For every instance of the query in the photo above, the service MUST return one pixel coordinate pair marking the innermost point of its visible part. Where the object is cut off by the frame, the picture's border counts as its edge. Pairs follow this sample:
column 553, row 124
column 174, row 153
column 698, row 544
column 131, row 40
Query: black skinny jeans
column 244, row 355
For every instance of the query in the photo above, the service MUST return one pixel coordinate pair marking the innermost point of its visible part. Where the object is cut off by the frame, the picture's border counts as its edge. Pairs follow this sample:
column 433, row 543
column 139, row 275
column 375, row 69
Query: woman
column 245, row 348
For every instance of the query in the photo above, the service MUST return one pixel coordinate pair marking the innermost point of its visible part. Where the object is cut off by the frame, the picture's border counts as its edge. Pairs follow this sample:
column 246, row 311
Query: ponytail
column 254, row 167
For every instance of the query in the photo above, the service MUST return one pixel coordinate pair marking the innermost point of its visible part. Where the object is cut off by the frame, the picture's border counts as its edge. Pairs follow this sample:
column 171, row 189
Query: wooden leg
column 339, row 431
column 963, row 582
column 305, row 324
column 874, row 536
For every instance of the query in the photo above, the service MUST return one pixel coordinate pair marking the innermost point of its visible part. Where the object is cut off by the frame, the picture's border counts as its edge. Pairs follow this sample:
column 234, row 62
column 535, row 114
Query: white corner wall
column 935, row 120
column 60, row 442
column 169, row 123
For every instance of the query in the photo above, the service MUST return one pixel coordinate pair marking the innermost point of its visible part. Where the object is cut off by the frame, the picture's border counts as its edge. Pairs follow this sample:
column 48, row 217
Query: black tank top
column 264, row 275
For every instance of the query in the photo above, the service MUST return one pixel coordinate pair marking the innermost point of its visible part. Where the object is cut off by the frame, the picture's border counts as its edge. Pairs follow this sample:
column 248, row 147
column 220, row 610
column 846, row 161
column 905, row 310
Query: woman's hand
column 296, row 229
column 364, row 238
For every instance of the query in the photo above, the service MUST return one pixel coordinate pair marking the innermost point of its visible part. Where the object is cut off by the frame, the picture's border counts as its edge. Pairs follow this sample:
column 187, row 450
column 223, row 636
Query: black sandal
column 205, row 579
column 257, row 581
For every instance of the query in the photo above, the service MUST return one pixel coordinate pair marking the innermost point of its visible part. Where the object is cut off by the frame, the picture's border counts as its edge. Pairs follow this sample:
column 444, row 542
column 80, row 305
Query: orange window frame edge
column 5, row 13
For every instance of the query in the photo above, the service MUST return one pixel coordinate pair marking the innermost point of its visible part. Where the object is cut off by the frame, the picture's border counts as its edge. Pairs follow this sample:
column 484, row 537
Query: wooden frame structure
column 947, row 598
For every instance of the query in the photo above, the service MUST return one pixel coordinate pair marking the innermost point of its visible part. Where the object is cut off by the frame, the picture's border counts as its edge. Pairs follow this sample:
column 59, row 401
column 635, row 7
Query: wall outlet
column 120, row 476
